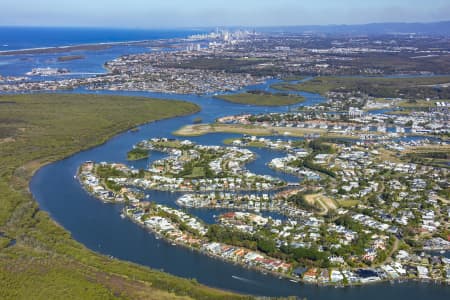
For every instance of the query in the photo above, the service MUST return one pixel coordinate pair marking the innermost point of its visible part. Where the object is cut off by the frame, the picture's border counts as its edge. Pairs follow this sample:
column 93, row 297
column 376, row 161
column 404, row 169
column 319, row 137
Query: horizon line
column 219, row 26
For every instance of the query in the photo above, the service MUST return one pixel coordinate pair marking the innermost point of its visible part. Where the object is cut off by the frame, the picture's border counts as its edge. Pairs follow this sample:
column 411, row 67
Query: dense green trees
column 408, row 88
column 137, row 153
column 320, row 146
column 217, row 233
column 266, row 244
column 47, row 263
column 308, row 163
column 300, row 201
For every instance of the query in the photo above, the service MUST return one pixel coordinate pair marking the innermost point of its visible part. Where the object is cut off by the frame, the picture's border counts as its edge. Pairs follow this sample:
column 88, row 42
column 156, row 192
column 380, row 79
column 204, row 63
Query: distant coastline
column 62, row 49
column 14, row 38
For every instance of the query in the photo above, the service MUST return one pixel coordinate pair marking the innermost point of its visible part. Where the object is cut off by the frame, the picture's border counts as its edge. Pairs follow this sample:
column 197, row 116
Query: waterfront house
column 310, row 275
column 336, row 276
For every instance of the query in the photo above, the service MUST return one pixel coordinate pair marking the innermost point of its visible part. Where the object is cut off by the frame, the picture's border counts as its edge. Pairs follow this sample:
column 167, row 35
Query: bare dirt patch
column 322, row 201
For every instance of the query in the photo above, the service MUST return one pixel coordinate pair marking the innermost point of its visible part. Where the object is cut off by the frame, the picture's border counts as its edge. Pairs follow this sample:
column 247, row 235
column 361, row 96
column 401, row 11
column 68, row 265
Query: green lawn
column 418, row 104
column 293, row 78
column 255, row 144
column 45, row 262
column 348, row 203
column 262, row 99
column 169, row 144
column 431, row 156
column 197, row 172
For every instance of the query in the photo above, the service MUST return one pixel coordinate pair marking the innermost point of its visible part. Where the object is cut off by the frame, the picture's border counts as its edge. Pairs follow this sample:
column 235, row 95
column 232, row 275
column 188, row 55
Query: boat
column 292, row 280
column 122, row 216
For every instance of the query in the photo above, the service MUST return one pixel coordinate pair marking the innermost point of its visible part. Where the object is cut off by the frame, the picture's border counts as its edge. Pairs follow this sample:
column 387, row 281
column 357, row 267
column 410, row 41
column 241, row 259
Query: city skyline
column 175, row 13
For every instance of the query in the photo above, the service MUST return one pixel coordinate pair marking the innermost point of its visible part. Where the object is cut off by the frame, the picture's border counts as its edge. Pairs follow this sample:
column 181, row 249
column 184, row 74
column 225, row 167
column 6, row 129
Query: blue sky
column 196, row 13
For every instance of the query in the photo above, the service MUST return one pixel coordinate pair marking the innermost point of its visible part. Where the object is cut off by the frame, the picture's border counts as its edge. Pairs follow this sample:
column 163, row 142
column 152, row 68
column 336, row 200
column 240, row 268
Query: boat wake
column 245, row 280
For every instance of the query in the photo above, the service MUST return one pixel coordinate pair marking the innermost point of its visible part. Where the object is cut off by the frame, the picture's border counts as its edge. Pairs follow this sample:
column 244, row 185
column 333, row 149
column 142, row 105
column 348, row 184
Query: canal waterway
column 100, row 227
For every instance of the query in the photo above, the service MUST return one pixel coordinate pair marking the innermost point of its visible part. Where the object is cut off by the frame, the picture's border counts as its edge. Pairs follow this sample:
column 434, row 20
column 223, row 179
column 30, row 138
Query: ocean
column 15, row 38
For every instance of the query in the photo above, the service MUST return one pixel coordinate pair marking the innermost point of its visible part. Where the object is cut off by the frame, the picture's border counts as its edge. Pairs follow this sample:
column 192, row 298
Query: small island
column 137, row 154
column 70, row 58
column 262, row 98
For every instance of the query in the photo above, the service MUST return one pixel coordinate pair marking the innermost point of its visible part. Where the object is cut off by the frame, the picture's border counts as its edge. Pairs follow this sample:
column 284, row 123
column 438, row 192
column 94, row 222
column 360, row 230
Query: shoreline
column 276, row 274
column 202, row 129
column 203, row 252
column 384, row 278
column 45, row 162
column 68, row 48
column 194, row 130
column 280, row 275
column 271, row 284
column 77, row 259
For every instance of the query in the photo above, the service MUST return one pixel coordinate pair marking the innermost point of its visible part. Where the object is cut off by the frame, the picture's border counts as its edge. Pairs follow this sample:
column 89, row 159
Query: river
column 99, row 227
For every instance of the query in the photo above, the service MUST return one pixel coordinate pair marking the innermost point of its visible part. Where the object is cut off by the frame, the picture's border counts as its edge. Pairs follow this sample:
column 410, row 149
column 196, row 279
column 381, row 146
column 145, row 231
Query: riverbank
column 44, row 128
column 195, row 130
column 147, row 250
column 170, row 233
column 201, row 129
column 202, row 249
column 335, row 275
